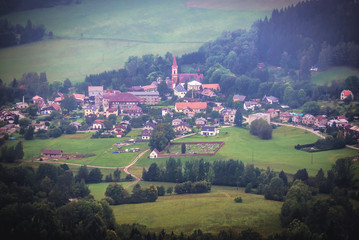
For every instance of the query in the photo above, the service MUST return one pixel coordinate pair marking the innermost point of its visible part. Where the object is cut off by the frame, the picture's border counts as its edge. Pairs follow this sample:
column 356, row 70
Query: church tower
column 174, row 79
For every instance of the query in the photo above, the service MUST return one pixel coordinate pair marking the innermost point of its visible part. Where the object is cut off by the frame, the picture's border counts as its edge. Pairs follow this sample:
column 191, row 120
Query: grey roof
column 179, row 88
column 208, row 128
column 154, row 93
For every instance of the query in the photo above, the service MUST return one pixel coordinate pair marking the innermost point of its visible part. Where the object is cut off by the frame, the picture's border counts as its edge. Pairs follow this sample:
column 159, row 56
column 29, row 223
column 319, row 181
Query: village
column 196, row 110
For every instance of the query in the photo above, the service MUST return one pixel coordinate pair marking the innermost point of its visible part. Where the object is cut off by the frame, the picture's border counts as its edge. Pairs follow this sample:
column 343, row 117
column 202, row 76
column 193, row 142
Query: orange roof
column 192, row 105
column 347, row 92
column 79, row 96
column 213, row 86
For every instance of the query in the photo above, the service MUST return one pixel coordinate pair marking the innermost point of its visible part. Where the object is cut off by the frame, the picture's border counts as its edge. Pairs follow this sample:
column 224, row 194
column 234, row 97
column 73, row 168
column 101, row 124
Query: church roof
column 174, row 62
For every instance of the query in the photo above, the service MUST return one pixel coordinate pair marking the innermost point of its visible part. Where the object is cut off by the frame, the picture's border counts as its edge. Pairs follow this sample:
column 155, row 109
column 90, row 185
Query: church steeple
column 174, row 73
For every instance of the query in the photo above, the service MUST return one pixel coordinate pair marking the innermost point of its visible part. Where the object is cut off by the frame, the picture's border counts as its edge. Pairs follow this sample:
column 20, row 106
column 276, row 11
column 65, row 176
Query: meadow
column 93, row 37
column 277, row 153
column 325, row 78
column 210, row 212
column 83, row 144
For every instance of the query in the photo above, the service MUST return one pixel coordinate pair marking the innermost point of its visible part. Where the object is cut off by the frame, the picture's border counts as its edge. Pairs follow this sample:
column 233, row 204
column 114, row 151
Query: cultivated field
column 210, row 212
column 278, row 153
column 92, row 37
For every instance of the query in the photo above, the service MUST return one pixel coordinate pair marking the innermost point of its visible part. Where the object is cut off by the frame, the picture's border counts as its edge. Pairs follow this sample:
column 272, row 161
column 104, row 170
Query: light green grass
column 103, row 149
column 114, row 31
column 337, row 73
column 278, row 153
column 210, row 212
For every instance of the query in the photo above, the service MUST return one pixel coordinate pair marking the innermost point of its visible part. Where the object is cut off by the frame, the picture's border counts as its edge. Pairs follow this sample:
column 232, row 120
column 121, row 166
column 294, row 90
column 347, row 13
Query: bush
column 261, row 129
column 238, row 199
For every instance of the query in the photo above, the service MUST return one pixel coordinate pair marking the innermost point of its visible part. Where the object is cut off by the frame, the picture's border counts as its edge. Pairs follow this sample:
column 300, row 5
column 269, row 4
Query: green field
column 325, row 78
column 92, row 37
column 278, row 153
column 82, row 144
column 210, row 212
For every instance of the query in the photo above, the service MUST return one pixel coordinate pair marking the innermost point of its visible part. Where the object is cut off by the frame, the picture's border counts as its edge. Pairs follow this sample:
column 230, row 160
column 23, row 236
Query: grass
column 92, row 37
column 210, row 212
column 278, row 153
column 82, row 144
column 336, row 73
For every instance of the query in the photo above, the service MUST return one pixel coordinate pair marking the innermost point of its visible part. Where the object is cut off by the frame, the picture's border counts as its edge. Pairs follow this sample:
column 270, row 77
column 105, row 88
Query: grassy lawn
column 93, row 37
column 210, row 212
column 336, row 73
column 278, row 153
column 82, row 144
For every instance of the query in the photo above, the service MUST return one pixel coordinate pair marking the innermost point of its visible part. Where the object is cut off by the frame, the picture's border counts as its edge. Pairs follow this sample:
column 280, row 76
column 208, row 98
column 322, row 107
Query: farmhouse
column 155, row 153
column 52, row 153
column 264, row 116
column 195, row 106
column 209, row 131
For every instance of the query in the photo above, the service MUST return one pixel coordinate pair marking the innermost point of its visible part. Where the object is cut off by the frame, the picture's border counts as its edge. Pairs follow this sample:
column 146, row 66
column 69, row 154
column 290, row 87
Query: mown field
column 210, row 212
column 278, row 153
column 95, row 36
column 336, row 73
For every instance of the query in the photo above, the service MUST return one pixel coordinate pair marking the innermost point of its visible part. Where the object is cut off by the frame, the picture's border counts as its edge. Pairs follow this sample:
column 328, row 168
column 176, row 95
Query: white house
column 209, row 131
column 155, row 153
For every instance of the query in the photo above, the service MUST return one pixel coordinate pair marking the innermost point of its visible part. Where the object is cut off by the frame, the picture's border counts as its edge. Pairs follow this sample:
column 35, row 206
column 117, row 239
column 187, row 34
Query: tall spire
column 174, row 62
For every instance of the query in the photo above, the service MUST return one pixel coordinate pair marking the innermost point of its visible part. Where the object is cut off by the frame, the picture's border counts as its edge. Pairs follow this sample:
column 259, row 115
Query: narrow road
column 130, row 165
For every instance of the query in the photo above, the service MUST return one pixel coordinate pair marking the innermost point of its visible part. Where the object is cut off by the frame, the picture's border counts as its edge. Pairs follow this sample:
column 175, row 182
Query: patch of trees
column 261, row 129
column 15, row 35
column 329, row 143
column 161, row 136
column 116, row 194
column 12, row 153
column 193, row 187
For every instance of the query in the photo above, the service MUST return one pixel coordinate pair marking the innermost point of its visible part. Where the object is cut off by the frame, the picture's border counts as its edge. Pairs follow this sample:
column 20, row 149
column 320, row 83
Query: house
column 79, row 98
column 274, row 113
column 321, row 120
column 201, row 122
column 308, row 119
column 195, row 106
column 149, row 126
column 155, row 153
column 146, row 134
column 134, row 111
column 342, row 119
column 166, row 110
column 270, row 100
column 297, row 118
column 182, row 128
column 285, row 116
column 97, row 124
column 182, row 78
column 123, row 101
column 179, row 91
column 264, row 116
column 240, row 98
column 208, row 93
column 209, row 131
column 39, row 101
column 147, row 97
column 176, row 122
column 111, row 111
column 212, row 86
column 52, row 153
column 229, row 115
column 251, row 105
column 219, row 109
column 91, row 110
column 94, row 91
column 345, row 94
column 49, row 108
column 194, row 85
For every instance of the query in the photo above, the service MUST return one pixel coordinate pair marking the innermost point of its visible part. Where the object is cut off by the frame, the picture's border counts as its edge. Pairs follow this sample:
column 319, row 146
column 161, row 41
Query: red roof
column 347, row 92
column 123, row 97
column 192, row 105
column 213, row 86
column 56, row 106
column 174, row 62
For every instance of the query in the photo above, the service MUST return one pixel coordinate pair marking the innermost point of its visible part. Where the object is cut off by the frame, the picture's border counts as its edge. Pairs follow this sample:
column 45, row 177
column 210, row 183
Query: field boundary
column 161, row 155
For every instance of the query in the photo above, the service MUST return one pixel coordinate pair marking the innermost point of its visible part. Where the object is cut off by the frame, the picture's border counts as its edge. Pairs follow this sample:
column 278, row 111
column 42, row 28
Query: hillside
column 92, row 37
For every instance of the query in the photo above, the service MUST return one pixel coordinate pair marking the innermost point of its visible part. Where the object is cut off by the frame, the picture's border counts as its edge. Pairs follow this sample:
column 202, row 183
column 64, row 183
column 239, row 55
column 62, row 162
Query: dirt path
column 130, row 165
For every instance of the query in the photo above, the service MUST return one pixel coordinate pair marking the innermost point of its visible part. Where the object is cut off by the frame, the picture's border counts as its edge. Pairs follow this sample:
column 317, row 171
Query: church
column 182, row 78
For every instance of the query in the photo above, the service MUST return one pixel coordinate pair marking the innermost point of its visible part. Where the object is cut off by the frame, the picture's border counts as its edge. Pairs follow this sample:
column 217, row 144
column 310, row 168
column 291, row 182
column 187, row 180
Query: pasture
column 210, row 212
column 278, row 153
column 93, row 37
column 325, row 78
column 83, row 144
